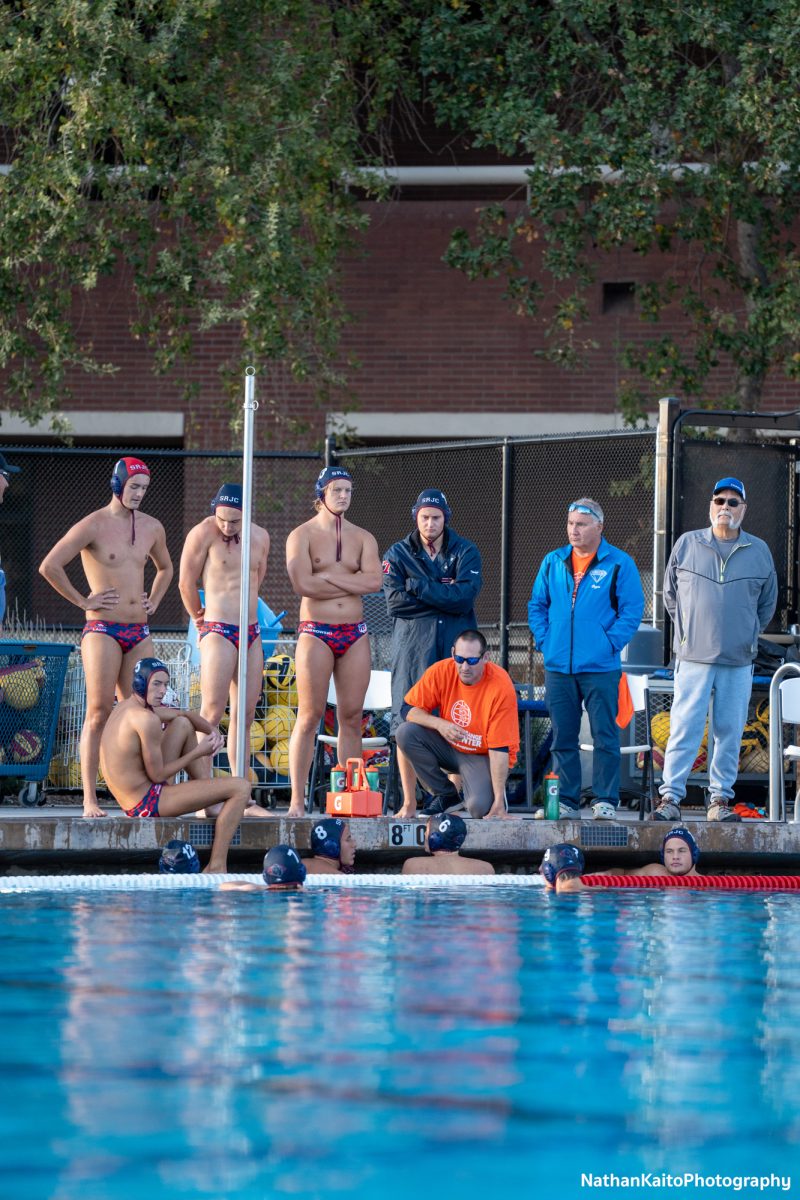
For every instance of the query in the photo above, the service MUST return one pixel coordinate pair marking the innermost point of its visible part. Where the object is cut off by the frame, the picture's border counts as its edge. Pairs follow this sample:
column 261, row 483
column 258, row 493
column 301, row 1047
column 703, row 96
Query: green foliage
column 605, row 99
column 197, row 148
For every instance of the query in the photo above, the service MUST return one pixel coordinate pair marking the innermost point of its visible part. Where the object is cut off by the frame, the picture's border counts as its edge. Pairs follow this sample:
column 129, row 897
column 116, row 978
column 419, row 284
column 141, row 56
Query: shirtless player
column 331, row 565
column 114, row 548
column 144, row 745
column 212, row 554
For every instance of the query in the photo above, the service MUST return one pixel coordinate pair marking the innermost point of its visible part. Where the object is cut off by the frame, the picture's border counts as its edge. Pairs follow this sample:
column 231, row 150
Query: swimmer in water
column 331, row 565
column 562, row 867
column 283, row 872
column 679, row 856
column 333, row 846
column 179, row 858
column 114, row 549
column 444, row 836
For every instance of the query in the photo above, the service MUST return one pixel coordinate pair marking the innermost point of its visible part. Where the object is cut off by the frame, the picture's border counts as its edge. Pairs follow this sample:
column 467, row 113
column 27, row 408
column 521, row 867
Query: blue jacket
column 607, row 611
column 428, row 615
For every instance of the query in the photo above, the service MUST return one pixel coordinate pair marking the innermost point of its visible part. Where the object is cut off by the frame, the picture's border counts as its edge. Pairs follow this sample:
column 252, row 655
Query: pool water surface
column 387, row 1044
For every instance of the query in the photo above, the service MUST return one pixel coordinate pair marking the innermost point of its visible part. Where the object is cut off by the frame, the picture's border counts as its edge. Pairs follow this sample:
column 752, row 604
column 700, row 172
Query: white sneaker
column 603, row 811
column 565, row 812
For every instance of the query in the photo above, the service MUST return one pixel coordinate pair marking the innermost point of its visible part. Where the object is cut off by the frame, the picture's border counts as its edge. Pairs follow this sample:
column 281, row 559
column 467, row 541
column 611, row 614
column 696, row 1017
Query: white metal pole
column 242, row 728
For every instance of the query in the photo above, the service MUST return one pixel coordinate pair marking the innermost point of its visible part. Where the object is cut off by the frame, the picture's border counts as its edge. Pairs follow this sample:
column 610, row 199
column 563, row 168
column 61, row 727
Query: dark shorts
column 229, row 632
column 338, row 638
column 148, row 805
column 127, row 637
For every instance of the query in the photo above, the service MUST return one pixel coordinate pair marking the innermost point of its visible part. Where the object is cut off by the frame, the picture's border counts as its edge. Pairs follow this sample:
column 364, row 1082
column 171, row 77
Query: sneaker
column 668, row 810
column 565, row 813
column 719, row 811
column 603, row 811
column 441, row 803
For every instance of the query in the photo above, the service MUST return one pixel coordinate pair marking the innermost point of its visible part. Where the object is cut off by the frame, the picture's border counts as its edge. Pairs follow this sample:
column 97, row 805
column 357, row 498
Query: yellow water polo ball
column 279, row 722
column 279, row 758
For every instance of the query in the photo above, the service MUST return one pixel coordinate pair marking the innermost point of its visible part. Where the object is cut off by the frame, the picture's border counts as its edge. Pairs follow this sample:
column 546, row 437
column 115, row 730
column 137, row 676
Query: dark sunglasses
column 720, row 500
column 471, row 660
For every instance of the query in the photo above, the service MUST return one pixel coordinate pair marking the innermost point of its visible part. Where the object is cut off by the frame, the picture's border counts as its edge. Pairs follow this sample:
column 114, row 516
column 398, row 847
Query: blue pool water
column 396, row 1044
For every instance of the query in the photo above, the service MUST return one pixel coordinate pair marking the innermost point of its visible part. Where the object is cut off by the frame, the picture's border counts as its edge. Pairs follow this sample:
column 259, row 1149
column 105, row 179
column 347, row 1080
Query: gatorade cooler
column 357, row 799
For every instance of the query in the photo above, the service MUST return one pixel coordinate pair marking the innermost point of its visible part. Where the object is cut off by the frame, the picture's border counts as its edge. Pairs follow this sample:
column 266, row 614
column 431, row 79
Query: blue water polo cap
column 228, row 496
column 179, row 858
column 143, row 672
column 326, row 837
column 560, row 858
column 431, row 498
column 729, row 484
column 327, row 475
column 684, row 835
column 282, row 864
column 446, row 832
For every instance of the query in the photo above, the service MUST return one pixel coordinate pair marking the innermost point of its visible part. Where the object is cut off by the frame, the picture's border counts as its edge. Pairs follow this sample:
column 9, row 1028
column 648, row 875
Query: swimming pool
column 427, row 1043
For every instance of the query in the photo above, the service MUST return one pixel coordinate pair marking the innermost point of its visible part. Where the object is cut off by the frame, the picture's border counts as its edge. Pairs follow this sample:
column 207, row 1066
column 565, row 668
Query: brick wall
column 426, row 338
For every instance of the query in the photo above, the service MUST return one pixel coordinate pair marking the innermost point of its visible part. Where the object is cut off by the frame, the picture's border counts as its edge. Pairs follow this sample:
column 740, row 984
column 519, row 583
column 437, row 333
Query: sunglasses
column 584, row 509
column 720, row 500
column 471, row 660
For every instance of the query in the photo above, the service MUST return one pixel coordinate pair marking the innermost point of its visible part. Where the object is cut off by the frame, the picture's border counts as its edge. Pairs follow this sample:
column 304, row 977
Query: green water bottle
column 552, row 796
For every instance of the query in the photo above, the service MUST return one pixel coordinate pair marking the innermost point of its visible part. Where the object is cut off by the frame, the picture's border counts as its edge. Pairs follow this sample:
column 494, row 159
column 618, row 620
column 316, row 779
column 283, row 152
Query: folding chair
column 637, row 685
column 378, row 698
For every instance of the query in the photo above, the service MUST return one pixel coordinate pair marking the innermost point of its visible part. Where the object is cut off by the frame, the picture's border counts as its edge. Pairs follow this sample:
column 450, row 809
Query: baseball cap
column 730, row 484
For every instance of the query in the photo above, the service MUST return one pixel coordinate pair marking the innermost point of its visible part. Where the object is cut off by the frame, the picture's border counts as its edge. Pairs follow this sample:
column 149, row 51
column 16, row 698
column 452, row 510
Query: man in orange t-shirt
column 461, row 718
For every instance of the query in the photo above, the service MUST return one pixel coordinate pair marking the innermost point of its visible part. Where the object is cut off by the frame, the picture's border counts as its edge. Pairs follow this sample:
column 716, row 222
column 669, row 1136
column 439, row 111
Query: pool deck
column 34, row 839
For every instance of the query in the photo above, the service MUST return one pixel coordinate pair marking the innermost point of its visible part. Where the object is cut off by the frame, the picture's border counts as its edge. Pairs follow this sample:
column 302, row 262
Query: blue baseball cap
column 730, row 484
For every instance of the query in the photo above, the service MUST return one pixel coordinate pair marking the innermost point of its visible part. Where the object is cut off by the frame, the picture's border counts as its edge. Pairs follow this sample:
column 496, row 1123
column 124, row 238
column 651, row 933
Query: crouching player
column 144, row 745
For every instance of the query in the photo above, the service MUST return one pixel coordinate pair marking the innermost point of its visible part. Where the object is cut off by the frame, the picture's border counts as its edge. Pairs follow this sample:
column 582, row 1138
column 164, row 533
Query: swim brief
column 338, row 638
column 127, row 637
column 148, row 805
column 229, row 632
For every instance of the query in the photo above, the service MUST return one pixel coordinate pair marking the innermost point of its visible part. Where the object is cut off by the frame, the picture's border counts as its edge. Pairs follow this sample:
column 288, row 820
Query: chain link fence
column 56, row 488
column 510, row 497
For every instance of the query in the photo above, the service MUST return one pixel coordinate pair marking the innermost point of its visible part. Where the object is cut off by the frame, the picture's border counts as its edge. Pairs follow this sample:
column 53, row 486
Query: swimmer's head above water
column 682, row 855
column 447, row 832
column 561, row 860
column 179, row 858
column 143, row 683
column 283, row 868
column 331, row 838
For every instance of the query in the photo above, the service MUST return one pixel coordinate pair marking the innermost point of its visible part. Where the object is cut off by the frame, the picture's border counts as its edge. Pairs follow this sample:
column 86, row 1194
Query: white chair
column 378, row 698
column 790, row 715
column 637, row 686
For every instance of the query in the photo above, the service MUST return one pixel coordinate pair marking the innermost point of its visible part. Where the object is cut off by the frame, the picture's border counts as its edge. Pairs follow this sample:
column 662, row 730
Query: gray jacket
column 719, row 608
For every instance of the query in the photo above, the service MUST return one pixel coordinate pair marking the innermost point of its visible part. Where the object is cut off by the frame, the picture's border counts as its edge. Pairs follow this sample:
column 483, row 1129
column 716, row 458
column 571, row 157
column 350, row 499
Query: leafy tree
column 200, row 148
column 669, row 128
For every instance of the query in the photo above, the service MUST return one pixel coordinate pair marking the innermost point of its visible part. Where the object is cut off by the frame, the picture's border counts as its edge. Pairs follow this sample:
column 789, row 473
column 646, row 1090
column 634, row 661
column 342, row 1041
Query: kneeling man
column 461, row 719
column 144, row 745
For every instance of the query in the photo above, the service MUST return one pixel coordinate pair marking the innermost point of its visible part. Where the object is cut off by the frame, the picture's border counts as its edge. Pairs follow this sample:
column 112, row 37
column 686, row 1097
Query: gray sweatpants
column 433, row 759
